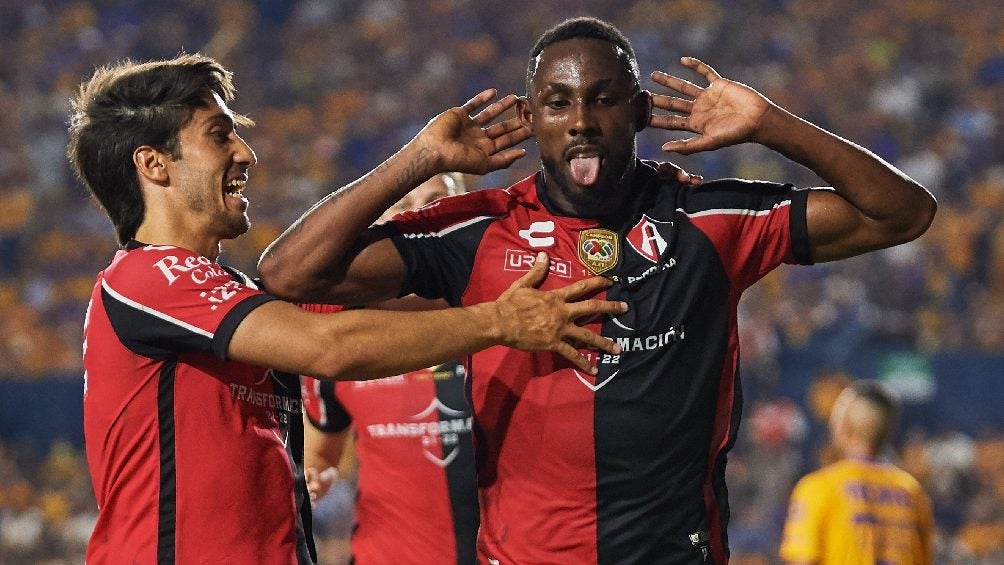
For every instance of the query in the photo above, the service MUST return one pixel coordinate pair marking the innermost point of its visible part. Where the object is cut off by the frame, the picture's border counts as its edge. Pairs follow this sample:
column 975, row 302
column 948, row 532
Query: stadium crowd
column 336, row 86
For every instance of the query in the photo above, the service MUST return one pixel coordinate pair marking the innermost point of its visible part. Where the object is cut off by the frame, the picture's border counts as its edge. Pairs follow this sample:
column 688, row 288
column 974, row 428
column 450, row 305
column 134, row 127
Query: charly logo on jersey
column 522, row 261
column 537, row 234
column 646, row 238
column 598, row 249
column 445, row 431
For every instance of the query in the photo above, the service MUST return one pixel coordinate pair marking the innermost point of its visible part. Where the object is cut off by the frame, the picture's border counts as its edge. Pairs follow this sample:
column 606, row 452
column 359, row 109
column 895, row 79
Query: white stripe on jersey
column 451, row 229
column 733, row 211
column 152, row 312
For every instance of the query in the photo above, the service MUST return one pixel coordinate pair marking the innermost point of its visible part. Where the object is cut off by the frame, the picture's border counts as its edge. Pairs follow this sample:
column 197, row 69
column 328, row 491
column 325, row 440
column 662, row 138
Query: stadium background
column 336, row 86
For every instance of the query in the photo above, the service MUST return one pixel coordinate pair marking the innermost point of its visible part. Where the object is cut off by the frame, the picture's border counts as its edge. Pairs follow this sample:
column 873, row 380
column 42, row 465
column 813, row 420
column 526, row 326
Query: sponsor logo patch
column 522, row 261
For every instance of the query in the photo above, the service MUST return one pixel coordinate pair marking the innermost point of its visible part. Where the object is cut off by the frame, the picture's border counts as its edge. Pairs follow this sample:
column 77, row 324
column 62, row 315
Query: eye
column 557, row 103
column 221, row 136
column 606, row 100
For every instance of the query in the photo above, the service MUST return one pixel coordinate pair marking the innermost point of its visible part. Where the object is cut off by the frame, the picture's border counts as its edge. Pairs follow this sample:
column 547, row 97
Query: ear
column 523, row 112
column 151, row 164
column 643, row 109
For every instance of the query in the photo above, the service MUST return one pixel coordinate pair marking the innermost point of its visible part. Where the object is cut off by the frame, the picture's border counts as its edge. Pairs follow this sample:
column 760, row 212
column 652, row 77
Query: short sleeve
column 321, row 405
column 164, row 301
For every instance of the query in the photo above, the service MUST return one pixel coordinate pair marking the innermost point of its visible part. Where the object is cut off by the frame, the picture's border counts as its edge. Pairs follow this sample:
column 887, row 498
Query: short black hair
column 581, row 28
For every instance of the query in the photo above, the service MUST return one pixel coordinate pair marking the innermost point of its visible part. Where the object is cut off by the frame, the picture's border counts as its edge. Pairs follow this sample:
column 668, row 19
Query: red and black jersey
column 193, row 458
column 626, row 466
column 417, row 495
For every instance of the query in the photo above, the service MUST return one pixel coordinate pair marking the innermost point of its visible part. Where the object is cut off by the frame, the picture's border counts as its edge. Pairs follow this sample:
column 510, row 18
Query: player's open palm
column 537, row 320
column 723, row 113
column 465, row 140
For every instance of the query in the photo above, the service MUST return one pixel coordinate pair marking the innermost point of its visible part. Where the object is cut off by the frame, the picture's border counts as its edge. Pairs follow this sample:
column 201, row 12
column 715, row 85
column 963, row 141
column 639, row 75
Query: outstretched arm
column 321, row 257
column 872, row 205
column 354, row 344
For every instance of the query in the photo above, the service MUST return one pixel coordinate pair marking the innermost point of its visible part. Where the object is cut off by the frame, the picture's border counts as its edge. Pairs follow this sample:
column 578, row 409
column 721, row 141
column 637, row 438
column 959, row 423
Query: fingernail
column 593, row 370
column 542, row 256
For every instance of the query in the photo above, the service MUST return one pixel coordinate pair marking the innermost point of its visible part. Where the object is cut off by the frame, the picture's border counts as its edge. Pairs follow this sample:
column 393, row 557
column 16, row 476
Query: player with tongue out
column 626, row 466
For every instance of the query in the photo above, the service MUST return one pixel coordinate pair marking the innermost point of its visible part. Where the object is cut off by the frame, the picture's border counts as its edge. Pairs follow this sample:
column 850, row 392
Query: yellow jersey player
column 860, row 509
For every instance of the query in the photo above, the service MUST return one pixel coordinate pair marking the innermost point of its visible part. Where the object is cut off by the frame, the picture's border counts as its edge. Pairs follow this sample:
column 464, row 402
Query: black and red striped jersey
column 417, row 497
column 193, row 458
column 626, row 466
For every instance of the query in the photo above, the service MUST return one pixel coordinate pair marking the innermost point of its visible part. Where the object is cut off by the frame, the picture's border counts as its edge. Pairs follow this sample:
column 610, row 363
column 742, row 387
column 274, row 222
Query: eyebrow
column 219, row 117
column 592, row 89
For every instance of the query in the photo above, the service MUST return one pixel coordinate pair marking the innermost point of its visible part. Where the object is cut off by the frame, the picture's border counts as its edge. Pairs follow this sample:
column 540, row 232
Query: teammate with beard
column 626, row 466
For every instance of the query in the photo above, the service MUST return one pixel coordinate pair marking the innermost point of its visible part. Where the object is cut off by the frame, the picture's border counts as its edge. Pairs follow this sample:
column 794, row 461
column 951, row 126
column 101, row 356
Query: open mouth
column 585, row 165
column 235, row 189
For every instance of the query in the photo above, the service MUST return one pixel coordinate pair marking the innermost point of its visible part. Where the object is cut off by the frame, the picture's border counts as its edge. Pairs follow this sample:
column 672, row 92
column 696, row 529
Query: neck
column 164, row 235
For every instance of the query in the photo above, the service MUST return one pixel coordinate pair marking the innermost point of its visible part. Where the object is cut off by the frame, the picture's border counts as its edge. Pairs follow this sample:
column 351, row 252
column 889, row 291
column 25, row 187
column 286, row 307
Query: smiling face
column 212, row 172
column 584, row 107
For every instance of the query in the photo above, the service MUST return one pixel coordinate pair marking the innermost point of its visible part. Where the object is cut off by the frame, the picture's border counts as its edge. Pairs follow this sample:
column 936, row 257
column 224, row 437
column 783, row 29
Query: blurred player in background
column 861, row 509
column 416, row 500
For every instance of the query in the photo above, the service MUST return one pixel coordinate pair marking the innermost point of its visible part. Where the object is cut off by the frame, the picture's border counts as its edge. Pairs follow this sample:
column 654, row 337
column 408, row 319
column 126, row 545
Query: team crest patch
column 598, row 250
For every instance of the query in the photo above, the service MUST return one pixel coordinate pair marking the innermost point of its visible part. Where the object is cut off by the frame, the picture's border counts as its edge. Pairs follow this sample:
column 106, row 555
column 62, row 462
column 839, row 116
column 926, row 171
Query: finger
column 670, row 172
column 672, row 103
column 592, row 340
column 701, row 67
column 582, row 288
column 535, row 275
column 576, row 358
column 494, row 110
column 507, row 134
column 503, row 127
column 671, row 122
column 480, row 99
column 687, row 178
column 510, row 139
column 687, row 146
column 676, row 83
column 503, row 160
column 583, row 308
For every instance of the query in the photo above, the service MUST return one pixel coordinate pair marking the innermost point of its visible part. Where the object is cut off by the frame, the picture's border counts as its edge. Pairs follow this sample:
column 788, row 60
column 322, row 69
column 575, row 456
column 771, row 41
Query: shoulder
column 725, row 195
column 160, row 267
column 816, row 483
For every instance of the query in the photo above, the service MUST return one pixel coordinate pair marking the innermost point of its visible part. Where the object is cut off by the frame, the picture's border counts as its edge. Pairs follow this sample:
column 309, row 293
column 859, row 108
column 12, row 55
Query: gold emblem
column 598, row 249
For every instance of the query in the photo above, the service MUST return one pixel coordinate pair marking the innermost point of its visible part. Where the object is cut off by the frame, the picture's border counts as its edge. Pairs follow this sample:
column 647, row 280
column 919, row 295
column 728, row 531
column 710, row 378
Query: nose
column 583, row 121
column 244, row 153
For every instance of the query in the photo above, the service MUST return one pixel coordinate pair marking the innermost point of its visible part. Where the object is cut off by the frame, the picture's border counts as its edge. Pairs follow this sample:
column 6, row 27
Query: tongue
column 585, row 169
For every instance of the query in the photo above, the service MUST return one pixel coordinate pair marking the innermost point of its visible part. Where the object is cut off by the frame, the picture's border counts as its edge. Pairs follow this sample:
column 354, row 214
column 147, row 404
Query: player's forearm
column 880, row 191
column 372, row 344
column 311, row 257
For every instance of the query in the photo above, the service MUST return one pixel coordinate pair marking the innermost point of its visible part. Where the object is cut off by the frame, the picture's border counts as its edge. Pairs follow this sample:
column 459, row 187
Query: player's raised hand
column 464, row 139
column 669, row 172
column 538, row 320
column 721, row 114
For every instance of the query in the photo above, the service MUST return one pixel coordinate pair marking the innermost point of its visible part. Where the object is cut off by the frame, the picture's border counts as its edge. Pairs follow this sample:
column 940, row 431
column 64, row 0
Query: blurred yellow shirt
column 859, row 512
